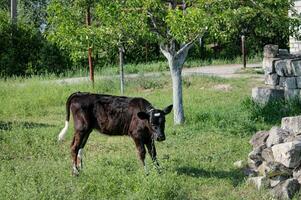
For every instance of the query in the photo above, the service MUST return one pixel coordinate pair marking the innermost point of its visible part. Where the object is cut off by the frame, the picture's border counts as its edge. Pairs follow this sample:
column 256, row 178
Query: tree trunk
column 175, row 62
column 121, row 64
column 13, row 13
column 176, row 76
column 91, row 69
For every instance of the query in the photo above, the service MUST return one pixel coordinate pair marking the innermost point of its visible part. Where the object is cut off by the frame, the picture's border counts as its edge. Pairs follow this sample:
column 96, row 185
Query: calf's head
column 156, row 121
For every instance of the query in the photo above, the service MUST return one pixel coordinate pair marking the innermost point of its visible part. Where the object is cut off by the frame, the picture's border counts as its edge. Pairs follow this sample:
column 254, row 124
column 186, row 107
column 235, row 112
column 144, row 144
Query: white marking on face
column 157, row 114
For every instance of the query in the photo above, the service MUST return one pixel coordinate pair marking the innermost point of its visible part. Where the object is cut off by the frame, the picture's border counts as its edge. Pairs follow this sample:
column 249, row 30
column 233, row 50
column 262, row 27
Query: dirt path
column 224, row 71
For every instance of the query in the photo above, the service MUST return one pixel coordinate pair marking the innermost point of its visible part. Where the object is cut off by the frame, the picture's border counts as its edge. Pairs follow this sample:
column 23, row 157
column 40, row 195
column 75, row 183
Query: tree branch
column 186, row 46
column 154, row 24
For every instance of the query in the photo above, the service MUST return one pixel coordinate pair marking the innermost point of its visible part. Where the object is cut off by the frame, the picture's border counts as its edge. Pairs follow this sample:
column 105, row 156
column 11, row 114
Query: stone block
column 259, row 182
column 286, row 189
column 280, row 67
column 289, row 70
column 274, row 169
column 255, row 156
column 283, row 52
column 297, row 174
column 271, row 79
column 263, row 95
column 298, row 80
column 259, row 139
column 288, row 154
column 281, row 81
column 267, row 155
column 292, row 94
column 274, row 181
column 270, row 50
column 268, row 65
column 292, row 124
column 290, row 83
column 277, row 135
column 296, row 66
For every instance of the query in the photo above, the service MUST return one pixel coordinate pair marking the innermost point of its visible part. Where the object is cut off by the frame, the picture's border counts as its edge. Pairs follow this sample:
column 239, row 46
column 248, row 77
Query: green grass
column 197, row 157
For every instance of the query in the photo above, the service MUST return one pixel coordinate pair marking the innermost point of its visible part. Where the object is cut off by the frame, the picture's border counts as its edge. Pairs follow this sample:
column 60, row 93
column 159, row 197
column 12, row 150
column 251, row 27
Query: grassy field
column 197, row 157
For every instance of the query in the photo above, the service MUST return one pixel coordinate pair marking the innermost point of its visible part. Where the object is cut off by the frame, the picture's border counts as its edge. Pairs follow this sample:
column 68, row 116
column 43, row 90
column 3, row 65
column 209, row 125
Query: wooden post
column 91, row 65
column 243, row 49
column 91, row 70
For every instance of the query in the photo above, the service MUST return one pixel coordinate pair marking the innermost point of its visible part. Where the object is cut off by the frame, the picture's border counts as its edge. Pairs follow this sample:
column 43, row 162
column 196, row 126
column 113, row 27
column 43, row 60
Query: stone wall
column 282, row 76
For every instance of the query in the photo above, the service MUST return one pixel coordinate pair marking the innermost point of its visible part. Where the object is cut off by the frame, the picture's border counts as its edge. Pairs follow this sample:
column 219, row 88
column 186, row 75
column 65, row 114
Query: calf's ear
column 143, row 115
column 167, row 110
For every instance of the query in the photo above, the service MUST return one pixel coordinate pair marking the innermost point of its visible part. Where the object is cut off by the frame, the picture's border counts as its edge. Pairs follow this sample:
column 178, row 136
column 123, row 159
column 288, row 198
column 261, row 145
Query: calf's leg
column 141, row 153
column 152, row 152
column 81, row 150
column 77, row 145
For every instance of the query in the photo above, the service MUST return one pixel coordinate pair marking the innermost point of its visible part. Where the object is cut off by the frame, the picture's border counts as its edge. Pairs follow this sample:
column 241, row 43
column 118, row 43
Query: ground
column 197, row 157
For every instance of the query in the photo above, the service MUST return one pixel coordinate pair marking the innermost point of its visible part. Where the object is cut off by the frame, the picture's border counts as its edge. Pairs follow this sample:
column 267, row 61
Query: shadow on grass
column 7, row 126
column 235, row 176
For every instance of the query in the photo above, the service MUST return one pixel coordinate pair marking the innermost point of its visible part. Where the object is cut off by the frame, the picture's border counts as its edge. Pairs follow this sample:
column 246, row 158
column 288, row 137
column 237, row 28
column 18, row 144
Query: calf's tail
column 63, row 132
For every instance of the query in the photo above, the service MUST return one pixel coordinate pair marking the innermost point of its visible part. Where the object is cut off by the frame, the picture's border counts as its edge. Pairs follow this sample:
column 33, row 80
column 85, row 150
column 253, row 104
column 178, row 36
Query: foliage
column 24, row 51
column 261, row 22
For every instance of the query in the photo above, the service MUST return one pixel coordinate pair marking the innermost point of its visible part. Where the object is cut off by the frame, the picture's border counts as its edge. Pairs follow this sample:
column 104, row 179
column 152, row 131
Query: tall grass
column 197, row 157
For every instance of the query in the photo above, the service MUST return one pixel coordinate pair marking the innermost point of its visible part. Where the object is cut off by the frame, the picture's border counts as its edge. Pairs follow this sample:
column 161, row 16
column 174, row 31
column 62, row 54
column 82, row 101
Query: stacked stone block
column 275, row 161
column 282, row 72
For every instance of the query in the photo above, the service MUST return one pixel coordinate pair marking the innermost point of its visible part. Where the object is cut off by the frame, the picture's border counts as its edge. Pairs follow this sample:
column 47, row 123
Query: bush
column 24, row 50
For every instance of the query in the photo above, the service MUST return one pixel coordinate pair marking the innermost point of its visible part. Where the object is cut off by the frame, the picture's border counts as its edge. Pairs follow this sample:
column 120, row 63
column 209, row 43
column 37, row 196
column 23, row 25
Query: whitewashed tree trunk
column 175, row 62
column 121, row 65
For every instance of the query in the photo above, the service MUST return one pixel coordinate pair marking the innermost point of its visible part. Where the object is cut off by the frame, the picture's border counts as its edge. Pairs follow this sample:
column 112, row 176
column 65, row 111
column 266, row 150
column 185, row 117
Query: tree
column 177, row 25
column 262, row 22
column 121, row 23
column 70, row 26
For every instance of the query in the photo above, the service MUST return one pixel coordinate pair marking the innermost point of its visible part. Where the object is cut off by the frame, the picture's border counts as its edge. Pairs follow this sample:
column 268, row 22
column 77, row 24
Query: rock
column 277, row 135
column 291, row 94
column 296, row 66
column 264, row 95
column 288, row 154
column 270, row 50
column 239, row 164
column 259, row 139
column 274, row 169
column 283, row 52
column 281, row 81
column 289, row 71
column 280, row 67
column 297, row 174
column 298, row 80
column 274, row 181
column 292, row 124
column 262, row 169
column 267, row 155
column 255, row 155
column 259, row 182
column 271, row 79
column 286, row 189
column 251, row 172
column 290, row 83
column 268, row 65
column 254, row 163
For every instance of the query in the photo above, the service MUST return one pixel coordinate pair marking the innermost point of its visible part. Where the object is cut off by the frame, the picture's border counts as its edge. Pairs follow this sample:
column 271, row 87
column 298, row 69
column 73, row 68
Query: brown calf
column 114, row 115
